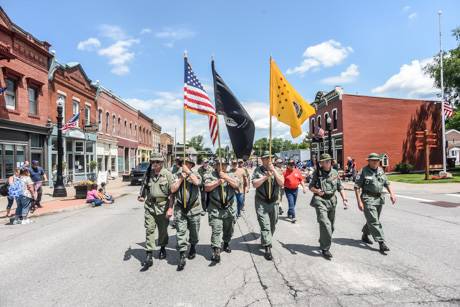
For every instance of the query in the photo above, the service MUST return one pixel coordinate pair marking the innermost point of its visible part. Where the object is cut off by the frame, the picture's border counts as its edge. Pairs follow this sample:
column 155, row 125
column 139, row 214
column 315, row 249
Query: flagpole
column 270, row 129
column 443, row 116
column 185, row 138
column 218, row 127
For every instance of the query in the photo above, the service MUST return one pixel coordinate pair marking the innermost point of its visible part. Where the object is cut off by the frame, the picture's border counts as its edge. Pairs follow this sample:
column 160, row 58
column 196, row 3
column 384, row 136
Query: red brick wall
column 145, row 137
column 385, row 125
column 30, row 68
column 66, row 81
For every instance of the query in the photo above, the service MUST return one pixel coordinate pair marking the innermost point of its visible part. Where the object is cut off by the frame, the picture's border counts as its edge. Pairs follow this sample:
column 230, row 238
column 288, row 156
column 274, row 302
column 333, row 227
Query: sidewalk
column 435, row 188
column 116, row 188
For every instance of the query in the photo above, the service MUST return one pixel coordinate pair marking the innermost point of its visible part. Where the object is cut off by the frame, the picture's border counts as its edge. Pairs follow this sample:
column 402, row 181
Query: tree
column 451, row 62
column 196, row 142
column 278, row 144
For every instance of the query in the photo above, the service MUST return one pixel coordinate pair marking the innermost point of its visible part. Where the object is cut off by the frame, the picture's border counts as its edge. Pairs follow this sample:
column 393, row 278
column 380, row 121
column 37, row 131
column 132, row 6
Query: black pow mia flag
column 240, row 125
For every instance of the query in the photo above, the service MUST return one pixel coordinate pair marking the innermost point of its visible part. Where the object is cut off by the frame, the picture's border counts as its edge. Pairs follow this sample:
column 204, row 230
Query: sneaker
column 293, row 220
column 326, row 254
column 17, row 221
column 26, row 221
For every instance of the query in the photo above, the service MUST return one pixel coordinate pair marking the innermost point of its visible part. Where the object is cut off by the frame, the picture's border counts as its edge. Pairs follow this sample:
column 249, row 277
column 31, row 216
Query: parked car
column 137, row 173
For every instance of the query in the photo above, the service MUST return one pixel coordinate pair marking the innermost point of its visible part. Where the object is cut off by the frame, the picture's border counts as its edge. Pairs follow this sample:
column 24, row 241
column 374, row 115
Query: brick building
column 166, row 147
column 107, row 142
column 364, row 124
column 70, row 82
column 145, row 138
column 24, row 108
column 156, row 135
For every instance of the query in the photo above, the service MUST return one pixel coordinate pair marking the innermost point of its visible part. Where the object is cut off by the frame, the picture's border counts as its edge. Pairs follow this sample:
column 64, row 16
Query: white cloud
column 326, row 54
column 164, row 100
column 174, row 34
column 146, row 31
column 349, row 75
column 406, row 8
column 119, row 55
column 90, row 44
column 411, row 82
column 412, row 16
column 113, row 32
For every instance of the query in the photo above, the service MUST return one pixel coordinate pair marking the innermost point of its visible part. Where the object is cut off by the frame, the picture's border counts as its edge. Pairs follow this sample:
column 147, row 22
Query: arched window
column 319, row 121
column 334, row 119
column 107, row 120
column 313, row 122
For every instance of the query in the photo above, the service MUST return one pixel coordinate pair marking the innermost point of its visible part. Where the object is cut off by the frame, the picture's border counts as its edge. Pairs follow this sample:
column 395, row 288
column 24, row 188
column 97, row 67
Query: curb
column 67, row 209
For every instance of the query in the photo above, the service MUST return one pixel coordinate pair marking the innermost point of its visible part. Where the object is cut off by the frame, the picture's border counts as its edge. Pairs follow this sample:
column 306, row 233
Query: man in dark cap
column 325, row 183
column 267, row 180
column 187, row 212
column 369, row 187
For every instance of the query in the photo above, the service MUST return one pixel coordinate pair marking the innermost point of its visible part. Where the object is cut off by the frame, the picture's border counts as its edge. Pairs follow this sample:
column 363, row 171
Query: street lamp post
column 329, row 132
column 59, row 188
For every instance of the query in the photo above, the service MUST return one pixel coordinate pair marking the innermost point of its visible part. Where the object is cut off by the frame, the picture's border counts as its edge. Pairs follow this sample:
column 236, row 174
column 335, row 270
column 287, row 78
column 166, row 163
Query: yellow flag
column 285, row 103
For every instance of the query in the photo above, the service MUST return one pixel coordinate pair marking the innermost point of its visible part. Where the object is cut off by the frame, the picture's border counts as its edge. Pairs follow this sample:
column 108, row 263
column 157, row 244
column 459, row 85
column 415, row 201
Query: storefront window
column 36, row 140
column 53, row 143
column 79, row 146
column 9, row 160
column 68, row 146
column 79, row 163
column 112, row 164
column 89, row 147
column 20, row 155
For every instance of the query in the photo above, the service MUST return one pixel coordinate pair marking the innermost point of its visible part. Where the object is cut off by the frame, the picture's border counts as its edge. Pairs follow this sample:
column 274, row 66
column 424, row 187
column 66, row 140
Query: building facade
column 156, row 134
column 145, row 138
column 364, row 124
column 70, row 83
column 453, row 145
column 107, row 142
column 167, row 147
column 24, row 109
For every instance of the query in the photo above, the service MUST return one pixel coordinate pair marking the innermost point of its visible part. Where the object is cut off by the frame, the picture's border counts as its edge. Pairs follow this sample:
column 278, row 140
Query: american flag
column 448, row 110
column 2, row 90
column 72, row 123
column 196, row 100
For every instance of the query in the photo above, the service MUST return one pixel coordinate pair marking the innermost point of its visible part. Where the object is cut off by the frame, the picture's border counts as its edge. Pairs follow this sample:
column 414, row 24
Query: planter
column 80, row 191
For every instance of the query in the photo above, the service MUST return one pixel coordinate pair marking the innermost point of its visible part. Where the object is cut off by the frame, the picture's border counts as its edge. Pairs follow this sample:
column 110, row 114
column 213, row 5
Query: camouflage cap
column 325, row 157
column 373, row 156
column 156, row 156
column 265, row 155
column 190, row 160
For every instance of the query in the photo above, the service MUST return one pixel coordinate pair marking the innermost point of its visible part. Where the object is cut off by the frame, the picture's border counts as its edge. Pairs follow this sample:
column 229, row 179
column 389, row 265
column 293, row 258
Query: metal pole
column 59, row 188
column 443, row 117
column 270, row 130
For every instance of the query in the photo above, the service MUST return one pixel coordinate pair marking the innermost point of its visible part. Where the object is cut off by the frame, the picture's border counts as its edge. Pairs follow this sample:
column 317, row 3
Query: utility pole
column 443, row 116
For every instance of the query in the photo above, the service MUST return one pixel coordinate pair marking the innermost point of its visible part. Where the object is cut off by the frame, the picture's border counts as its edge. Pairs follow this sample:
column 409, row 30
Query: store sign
column 77, row 134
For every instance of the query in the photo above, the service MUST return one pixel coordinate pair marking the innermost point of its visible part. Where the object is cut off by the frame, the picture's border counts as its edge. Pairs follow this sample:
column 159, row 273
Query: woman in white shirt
column 25, row 201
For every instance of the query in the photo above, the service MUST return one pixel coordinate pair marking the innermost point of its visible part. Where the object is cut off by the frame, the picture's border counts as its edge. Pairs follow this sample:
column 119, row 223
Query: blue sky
column 135, row 47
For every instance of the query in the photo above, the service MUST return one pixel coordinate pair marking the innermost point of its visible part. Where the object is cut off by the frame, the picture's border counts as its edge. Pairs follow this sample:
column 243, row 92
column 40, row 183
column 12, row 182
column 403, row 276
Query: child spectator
column 94, row 198
column 26, row 199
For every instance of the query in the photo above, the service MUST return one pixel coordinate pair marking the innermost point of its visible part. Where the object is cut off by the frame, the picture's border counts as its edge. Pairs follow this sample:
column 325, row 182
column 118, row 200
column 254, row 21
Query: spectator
column 14, row 191
column 292, row 179
column 26, row 199
column 38, row 175
column 104, row 195
column 93, row 197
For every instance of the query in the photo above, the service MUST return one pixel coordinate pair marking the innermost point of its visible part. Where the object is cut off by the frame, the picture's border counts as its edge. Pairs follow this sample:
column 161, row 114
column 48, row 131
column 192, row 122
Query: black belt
column 372, row 194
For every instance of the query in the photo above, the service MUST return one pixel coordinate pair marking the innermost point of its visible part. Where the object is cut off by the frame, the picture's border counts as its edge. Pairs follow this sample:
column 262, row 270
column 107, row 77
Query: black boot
column 227, row 248
column 365, row 238
column 216, row 255
column 268, row 253
column 326, row 254
column 192, row 252
column 181, row 264
column 383, row 247
column 162, row 253
column 148, row 261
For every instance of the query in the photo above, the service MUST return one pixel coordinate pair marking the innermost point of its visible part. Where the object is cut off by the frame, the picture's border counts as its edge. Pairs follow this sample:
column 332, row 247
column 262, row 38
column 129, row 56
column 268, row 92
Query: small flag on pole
column 448, row 110
column 285, row 103
column 72, row 123
column 2, row 90
column 196, row 100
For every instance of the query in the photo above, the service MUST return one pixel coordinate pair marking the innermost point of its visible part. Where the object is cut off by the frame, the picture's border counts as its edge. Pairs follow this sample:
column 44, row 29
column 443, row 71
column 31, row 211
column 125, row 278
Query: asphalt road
column 92, row 257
